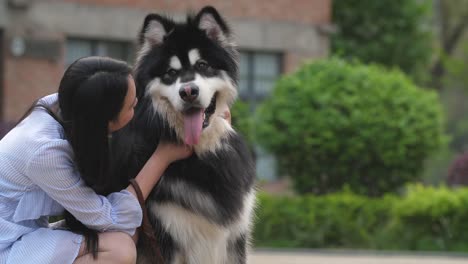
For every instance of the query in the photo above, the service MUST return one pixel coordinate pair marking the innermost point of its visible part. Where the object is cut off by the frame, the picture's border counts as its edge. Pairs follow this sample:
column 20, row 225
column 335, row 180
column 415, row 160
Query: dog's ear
column 209, row 20
column 154, row 29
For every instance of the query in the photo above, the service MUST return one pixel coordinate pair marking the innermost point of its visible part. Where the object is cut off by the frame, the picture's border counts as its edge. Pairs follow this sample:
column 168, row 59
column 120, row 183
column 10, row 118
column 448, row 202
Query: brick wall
column 26, row 80
column 302, row 11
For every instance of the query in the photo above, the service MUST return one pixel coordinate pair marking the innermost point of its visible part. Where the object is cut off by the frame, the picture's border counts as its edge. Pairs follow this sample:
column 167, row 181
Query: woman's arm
column 53, row 170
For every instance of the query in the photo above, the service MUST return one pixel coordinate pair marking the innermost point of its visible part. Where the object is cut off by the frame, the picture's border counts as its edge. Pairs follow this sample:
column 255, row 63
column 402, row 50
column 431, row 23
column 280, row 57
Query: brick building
column 39, row 38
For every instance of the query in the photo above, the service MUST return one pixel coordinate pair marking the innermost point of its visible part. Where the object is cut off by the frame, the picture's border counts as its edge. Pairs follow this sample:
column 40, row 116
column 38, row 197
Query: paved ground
column 276, row 257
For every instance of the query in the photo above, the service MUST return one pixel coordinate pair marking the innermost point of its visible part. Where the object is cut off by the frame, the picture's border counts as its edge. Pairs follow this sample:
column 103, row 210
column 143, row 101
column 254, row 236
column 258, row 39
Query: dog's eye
column 171, row 72
column 201, row 65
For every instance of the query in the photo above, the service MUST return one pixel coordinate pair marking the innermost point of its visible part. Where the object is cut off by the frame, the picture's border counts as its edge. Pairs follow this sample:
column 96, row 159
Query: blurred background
column 355, row 110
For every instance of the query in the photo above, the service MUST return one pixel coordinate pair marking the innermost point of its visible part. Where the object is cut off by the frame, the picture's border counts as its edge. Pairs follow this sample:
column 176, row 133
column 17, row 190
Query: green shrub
column 423, row 219
column 242, row 120
column 333, row 123
column 340, row 220
column 437, row 218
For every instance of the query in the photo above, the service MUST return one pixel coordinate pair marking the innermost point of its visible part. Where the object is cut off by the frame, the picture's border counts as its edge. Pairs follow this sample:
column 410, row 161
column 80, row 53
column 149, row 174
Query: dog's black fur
column 221, row 176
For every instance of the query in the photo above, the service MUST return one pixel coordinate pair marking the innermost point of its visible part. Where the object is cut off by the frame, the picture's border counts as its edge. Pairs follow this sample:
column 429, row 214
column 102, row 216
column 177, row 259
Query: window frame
column 251, row 97
column 263, row 158
column 95, row 44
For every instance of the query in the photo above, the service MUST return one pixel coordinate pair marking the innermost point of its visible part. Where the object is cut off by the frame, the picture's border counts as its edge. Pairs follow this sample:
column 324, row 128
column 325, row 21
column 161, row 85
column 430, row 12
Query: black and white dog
column 202, row 208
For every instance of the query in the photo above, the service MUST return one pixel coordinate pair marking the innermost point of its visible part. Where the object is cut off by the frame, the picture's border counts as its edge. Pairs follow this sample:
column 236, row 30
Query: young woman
column 56, row 160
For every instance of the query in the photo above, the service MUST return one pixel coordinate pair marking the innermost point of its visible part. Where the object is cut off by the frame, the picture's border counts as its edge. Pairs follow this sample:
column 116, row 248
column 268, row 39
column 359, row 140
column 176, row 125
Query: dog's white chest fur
column 202, row 241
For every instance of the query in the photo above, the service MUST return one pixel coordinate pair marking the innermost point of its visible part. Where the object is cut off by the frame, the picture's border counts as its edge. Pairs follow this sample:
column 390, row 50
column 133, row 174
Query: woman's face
column 126, row 113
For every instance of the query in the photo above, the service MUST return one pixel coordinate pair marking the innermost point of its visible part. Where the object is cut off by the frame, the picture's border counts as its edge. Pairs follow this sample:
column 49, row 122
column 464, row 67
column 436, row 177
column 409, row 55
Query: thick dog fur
column 202, row 208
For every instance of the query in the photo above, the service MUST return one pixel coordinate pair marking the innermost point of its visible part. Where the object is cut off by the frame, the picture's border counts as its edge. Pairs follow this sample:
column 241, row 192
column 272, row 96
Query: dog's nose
column 189, row 92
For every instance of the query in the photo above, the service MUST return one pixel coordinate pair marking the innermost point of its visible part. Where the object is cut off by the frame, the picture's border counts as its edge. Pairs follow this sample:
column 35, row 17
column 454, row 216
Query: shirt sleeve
column 53, row 170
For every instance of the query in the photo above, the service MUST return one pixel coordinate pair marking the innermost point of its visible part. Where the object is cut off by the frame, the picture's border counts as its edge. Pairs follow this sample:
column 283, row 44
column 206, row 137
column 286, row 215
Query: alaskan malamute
column 201, row 209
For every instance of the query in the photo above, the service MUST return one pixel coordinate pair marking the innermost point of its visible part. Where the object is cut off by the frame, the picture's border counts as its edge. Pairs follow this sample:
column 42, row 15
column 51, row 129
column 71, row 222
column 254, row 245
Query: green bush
column 334, row 123
column 423, row 219
column 333, row 221
column 437, row 218
column 242, row 120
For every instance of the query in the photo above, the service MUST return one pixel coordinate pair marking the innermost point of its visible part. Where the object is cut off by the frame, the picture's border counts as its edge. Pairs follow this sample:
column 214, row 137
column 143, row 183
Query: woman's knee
column 120, row 245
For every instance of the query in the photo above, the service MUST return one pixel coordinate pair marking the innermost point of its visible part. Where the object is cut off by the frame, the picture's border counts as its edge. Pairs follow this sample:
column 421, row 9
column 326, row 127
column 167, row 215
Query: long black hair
column 91, row 93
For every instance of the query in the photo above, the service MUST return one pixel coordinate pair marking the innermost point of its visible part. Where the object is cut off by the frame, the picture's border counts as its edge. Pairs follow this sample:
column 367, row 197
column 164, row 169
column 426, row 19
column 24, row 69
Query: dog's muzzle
column 189, row 92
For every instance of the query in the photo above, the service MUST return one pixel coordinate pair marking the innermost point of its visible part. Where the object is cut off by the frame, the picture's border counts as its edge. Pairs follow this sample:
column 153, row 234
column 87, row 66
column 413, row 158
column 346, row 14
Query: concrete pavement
column 351, row 257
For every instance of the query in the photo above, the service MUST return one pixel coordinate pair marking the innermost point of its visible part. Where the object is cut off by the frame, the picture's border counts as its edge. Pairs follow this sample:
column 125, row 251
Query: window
column 78, row 48
column 258, row 74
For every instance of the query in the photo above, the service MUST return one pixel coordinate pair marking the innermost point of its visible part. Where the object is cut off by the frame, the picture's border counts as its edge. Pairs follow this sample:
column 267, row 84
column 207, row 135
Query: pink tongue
column 193, row 127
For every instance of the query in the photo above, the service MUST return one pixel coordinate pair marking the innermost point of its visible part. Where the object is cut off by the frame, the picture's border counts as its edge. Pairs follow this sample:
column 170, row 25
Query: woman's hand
column 168, row 152
column 226, row 113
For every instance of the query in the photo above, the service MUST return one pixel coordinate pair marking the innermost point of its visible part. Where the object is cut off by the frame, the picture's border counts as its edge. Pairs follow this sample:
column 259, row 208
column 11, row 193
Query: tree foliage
column 452, row 21
column 394, row 33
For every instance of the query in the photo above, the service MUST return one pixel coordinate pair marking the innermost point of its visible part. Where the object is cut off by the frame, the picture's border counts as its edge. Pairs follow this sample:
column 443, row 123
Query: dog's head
column 190, row 72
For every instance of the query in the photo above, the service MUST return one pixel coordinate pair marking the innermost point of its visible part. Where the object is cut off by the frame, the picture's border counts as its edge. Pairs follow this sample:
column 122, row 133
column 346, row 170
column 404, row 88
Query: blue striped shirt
column 38, row 179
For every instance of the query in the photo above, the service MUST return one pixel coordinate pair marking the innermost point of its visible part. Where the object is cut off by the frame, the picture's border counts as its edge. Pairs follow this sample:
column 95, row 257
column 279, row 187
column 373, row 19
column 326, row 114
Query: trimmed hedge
column 425, row 218
column 334, row 123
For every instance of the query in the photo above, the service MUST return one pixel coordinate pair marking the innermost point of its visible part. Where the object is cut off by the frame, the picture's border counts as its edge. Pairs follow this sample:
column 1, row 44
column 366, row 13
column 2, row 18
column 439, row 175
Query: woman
column 56, row 160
